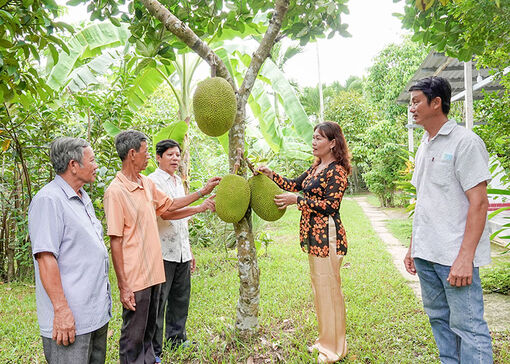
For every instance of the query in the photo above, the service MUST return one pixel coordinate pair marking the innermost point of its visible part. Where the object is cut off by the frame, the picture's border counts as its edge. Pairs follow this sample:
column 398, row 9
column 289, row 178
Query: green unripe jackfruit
column 263, row 191
column 214, row 106
column 232, row 198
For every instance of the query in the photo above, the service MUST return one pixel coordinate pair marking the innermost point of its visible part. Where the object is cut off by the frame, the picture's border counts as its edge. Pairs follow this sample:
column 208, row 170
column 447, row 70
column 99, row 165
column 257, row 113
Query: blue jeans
column 455, row 314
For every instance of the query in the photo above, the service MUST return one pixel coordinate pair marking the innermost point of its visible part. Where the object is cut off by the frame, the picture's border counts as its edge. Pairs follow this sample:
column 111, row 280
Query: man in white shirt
column 450, row 238
column 177, row 256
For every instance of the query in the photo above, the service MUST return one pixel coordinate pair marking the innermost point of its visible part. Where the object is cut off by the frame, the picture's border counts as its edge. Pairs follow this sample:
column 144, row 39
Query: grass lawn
column 401, row 229
column 385, row 322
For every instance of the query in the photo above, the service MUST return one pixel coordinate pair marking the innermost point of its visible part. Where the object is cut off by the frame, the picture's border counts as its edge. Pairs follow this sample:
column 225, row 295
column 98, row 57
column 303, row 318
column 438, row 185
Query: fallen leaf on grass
column 250, row 360
column 110, row 333
column 346, row 265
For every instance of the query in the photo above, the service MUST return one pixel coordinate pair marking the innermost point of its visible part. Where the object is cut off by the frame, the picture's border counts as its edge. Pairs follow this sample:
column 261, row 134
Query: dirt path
column 497, row 306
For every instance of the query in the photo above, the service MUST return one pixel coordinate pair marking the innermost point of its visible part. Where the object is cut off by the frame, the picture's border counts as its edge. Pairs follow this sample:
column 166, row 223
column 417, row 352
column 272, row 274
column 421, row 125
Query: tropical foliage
column 462, row 28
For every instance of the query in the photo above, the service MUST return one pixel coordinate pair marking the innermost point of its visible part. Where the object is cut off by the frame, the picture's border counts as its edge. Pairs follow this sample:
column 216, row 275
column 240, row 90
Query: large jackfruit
column 263, row 191
column 214, row 106
column 232, row 198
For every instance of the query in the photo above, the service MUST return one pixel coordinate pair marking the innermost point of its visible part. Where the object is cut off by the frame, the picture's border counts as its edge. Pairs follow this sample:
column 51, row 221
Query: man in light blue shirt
column 71, row 261
column 450, row 239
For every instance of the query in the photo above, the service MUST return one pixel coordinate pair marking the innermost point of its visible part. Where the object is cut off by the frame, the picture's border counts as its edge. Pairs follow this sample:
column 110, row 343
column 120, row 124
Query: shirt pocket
column 441, row 172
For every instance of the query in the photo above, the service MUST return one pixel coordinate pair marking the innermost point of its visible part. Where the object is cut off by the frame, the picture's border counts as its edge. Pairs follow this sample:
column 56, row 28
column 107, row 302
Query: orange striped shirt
column 131, row 211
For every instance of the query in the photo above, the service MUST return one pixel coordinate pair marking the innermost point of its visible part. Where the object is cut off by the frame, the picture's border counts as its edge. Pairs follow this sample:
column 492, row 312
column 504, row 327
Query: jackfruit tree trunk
column 248, row 304
column 249, row 295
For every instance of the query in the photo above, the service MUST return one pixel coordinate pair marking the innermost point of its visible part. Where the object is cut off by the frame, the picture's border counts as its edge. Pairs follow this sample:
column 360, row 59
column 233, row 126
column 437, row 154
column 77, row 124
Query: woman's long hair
column 333, row 131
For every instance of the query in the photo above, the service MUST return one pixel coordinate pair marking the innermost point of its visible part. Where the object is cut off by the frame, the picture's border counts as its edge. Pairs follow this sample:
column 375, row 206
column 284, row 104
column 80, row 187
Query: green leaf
column 498, row 211
column 175, row 131
column 497, row 191
column 115, row 21
column 89, row 42
column 291, row 104
column 6, row 14
column 54, row 52
column 424, row 5
column 84, row 76
column 111, row 129
column 223, row 139
column 5, row 43
column 145, row 83
column 263, row 110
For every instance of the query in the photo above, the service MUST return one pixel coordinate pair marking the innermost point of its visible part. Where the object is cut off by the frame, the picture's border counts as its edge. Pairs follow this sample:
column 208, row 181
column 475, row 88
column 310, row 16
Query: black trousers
column 138, row 327
column 174, row 302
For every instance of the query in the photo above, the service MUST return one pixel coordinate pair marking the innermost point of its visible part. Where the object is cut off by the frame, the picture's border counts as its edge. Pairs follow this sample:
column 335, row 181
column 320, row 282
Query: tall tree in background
column 172, row 25
column 392, row 68
column 464, row 29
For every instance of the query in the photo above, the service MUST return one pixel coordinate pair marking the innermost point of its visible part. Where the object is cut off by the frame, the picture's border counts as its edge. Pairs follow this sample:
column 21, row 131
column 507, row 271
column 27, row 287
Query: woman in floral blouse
column 322, row 234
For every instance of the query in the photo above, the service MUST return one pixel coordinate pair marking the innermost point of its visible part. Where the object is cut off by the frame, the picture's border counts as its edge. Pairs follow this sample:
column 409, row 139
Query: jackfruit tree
column 171, row 27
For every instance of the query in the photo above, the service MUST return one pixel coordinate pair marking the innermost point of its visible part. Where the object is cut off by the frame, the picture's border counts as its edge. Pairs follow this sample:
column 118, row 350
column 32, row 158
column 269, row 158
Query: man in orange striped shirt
column 131, row 204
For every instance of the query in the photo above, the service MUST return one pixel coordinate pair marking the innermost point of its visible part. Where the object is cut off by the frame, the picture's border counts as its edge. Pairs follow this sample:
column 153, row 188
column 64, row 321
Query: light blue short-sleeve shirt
column 446, row 166
column 62, row 223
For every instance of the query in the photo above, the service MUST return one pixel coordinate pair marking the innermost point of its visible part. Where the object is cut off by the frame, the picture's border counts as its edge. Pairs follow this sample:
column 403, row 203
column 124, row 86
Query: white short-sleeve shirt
column 452, row 162
column 173, row 234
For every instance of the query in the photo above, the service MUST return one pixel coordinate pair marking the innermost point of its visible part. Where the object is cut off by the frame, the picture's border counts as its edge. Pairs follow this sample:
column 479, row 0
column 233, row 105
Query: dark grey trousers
column 138, row 327
column 174, row 301
column 87, row 348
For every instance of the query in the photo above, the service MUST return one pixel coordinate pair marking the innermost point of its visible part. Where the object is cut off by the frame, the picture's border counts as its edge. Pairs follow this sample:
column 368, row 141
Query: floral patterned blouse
column 321, row 198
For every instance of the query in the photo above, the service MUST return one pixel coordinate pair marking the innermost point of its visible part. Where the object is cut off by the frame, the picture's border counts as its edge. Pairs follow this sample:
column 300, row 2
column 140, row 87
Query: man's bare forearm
column 181, row 213
column 50, row 279
column 118, row 260
column 180, row 202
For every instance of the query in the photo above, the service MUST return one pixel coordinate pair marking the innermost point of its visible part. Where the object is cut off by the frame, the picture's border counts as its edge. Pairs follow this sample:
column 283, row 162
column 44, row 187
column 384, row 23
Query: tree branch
column 264, row 49
column 184, row 33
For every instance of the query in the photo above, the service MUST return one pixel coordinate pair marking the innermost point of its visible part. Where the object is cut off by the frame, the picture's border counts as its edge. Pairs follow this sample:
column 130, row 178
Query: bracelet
column 200, row 194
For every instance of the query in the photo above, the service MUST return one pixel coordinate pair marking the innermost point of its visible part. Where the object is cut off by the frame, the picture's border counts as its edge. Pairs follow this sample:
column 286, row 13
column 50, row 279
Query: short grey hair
column 127, row 140
column 65, row 149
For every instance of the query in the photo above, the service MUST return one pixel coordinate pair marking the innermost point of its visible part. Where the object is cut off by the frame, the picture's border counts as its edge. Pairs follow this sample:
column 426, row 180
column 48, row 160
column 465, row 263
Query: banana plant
column 88, row 43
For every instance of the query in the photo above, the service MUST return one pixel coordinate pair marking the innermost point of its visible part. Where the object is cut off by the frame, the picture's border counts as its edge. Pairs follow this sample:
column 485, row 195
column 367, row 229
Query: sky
column 372, row 27
column 370, row 23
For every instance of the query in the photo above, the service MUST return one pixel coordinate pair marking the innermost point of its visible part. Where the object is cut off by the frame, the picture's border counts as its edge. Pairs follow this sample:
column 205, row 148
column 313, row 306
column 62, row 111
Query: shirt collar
column 70, row 192
column 445, row 130
column 130, row 185
column 166, row 175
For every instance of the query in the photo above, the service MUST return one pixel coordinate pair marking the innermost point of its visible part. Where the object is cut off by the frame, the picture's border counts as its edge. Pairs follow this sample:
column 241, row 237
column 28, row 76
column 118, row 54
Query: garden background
column 132, row 68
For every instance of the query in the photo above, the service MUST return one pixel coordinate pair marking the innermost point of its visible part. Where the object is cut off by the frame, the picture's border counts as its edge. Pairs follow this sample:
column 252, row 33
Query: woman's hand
column 265, row 170
column 285, row 199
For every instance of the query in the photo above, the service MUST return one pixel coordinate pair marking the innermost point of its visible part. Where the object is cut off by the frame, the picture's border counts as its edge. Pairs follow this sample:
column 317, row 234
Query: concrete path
column 497, row 306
